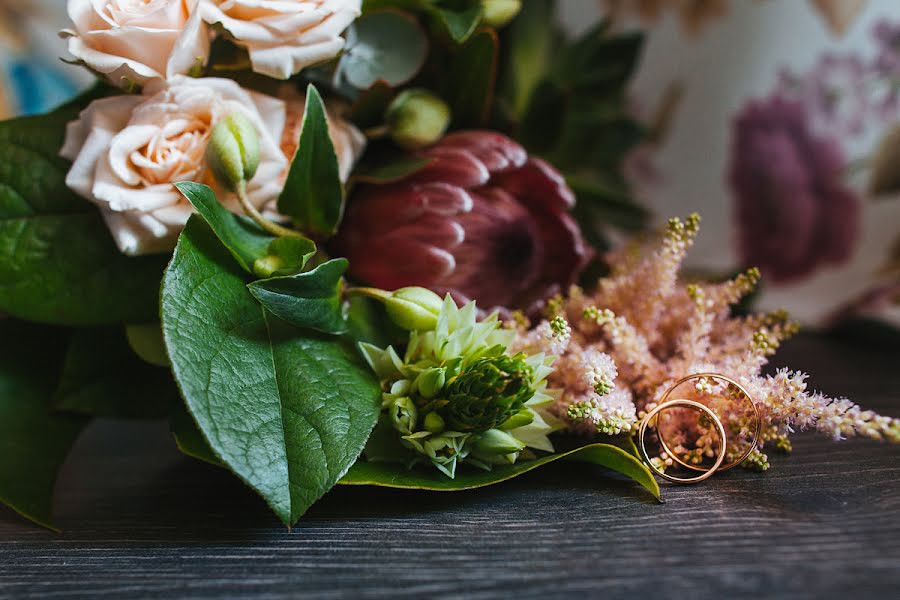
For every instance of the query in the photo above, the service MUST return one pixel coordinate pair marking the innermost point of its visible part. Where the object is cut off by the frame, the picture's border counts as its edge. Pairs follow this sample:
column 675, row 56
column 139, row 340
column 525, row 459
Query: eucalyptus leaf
column 396, row 475
column 58, row 262
column 389, row 46
column 470, row 82
column 103, row 377
column 33, row 441
column 313, row 194
column 287, row 410
column 309, row 300
column 246, row 240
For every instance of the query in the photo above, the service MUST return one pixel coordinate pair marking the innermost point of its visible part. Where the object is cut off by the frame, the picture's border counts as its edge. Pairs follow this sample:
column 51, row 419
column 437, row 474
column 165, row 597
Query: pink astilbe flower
column 644, row 330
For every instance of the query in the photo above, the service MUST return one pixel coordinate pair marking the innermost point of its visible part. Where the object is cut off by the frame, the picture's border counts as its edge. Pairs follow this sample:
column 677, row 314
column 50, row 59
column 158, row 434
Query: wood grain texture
column 141, row 521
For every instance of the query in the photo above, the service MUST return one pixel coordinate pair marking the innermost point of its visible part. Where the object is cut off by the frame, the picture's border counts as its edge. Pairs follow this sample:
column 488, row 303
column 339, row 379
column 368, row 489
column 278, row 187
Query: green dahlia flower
column 457, row 395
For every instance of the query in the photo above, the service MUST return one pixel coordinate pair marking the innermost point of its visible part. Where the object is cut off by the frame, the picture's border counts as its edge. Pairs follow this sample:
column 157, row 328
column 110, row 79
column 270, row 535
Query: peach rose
column 284, row 36
column 129, row 150
column 137, row 41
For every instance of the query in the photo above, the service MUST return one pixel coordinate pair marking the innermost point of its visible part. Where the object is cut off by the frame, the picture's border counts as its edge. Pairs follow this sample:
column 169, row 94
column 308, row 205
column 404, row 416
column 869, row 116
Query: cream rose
column 129, row 150
column 137, row 41
column 284, row 36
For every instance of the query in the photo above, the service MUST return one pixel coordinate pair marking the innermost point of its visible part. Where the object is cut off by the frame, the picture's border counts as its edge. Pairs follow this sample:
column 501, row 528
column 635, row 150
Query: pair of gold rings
column 665, row 404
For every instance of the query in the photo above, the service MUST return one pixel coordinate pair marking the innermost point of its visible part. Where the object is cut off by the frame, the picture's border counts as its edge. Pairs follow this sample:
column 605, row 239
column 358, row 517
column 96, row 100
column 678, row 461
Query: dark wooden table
column 142, row 521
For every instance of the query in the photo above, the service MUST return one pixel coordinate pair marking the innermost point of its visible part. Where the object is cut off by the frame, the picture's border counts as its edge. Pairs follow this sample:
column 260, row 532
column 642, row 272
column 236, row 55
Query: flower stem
column 374, row 133
column 270, row 227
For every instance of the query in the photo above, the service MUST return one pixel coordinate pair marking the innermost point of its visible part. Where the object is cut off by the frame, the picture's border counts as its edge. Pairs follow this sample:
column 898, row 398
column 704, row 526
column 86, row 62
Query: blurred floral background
column 778, row 121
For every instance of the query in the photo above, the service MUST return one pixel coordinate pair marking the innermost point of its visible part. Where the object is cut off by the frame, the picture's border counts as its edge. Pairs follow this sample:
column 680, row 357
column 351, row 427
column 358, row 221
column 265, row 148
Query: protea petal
column 482, row 222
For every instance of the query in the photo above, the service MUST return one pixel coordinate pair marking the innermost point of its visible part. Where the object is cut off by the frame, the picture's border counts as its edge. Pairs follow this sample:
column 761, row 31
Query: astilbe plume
column 621, row 346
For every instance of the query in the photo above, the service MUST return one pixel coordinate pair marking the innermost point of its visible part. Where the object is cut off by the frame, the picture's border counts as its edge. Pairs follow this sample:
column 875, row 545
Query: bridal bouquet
column 366, row 243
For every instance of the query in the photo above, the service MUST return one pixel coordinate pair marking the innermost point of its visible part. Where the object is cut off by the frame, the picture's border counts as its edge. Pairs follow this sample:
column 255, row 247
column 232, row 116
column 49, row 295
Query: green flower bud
column 233, row 151
column 488, row 392
column 497, row 13
column 414, row 308
column 433, row 422
column 417, row 118
column 402, row 412
column 520, row 419
column 431, row 381
column 494, row 442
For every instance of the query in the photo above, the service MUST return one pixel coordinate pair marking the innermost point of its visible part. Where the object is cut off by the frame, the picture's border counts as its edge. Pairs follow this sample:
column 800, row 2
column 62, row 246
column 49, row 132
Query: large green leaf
column 244, row 239
column 286, row 410
column 389, row 46
column 396, row 475
column 58, row 262
column 309, row 300
column 33, row 442
column 313, row 194
column 102, row 376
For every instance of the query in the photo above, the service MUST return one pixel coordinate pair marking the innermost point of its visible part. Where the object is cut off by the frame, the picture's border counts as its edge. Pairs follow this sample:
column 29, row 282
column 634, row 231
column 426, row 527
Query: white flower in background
column 137, row 41
column 129, row 150
column 284, row 36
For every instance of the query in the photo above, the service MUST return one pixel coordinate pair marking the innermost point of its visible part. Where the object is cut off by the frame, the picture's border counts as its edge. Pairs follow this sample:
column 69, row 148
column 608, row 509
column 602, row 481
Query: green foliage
column 309, row 300
column 455, row 19
column 313, row 194
column 396, row 475
column 288, row 411
column 103, row 377
column 471, row 79
column 33, row 441
column 388, row 46
column 58, row 263
column 246, row 240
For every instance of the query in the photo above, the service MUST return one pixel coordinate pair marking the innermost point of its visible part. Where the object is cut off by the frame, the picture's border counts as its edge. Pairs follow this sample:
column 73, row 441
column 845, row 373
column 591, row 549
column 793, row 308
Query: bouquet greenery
column 335, row 241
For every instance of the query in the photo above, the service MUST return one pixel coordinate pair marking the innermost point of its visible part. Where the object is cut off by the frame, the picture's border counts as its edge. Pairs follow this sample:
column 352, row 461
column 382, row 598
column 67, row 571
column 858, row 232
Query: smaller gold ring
column 688, row 404
column 757, row 433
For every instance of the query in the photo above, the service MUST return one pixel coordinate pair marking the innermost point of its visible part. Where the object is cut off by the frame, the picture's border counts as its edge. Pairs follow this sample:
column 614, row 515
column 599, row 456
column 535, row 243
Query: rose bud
column 233, row 151
column 497, row 13
column 417, row 118
column 481, row 221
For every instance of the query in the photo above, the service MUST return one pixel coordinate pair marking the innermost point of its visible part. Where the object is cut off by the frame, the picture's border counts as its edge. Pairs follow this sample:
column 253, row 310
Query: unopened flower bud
column 497, row 13
column 433, row 422
column 233, row 151
column 494, row 442
column 520, row 419
column 414, row 308
column 431, row 381
column 417, row 118
column 403, row 415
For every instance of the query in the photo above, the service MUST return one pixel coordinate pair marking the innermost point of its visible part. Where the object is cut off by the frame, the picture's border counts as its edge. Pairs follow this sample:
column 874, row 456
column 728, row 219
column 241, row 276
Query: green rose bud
column 414, row 308
column 487, row 393
column 431, row 381
column 402, row 412
column 520, row 419
column 417, row 118
column 433, row 422
column 493, row 443
column 233, row 151
column 497, row 13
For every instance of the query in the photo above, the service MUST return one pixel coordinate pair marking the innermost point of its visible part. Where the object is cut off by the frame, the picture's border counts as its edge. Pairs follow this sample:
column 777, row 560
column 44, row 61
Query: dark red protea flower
column 482, row 221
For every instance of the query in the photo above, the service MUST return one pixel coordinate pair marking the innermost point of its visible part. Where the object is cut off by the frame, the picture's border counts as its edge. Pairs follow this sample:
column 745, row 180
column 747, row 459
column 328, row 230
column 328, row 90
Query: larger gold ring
column 756, row 434
column 689, row 404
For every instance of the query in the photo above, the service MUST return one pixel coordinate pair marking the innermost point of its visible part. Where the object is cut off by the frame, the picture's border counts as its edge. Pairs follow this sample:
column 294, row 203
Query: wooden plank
column 141, row 521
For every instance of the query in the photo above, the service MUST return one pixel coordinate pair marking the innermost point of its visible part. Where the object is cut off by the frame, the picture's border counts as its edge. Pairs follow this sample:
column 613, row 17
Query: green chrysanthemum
column 457, row 395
